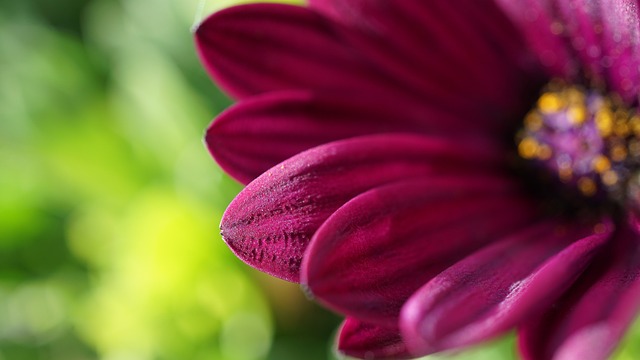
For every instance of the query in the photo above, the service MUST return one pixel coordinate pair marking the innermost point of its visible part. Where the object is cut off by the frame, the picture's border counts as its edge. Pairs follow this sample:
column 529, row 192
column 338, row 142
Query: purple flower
column 439, row 172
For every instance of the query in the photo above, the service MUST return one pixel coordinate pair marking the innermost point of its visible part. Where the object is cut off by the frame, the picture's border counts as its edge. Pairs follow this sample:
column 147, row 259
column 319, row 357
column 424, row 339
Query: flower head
column 439, row 172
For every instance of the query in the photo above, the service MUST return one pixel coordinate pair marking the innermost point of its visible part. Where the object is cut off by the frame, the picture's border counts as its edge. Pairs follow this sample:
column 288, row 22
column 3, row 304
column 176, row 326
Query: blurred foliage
column 109, row 203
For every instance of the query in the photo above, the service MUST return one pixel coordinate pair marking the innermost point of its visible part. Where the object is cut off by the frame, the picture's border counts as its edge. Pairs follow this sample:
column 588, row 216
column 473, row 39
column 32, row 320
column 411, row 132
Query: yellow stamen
column 550, row 102
column 634, row 147
column 587, row 186
column 618, row 153
column 528, row 148
column 610, row 178
column 577, row 114
column 575, row 96
column 604, row 122
column 601, row 164
column 571, row 126
column 621, row 128
column 533, row 121
column 544, row 152
column 634, row 123
column 565, row 173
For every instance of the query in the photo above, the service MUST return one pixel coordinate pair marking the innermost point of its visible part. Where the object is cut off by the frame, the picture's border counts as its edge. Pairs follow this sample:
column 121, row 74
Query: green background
column 110, row 203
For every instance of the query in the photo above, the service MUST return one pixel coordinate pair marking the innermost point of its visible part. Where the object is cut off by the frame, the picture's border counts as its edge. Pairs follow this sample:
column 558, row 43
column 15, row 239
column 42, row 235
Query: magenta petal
column 260, row 132
column 469, row 62
column 380, row 247
column 332, row 9
column 496, row 288
column 250, row 49
column 538, row 20
column 601, row 36
column 272, row 220
column 591, row 319
column 606, row 36
column 368, row 341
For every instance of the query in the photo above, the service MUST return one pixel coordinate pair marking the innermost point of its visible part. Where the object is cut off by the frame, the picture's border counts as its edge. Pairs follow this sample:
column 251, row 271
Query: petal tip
column 412, row 334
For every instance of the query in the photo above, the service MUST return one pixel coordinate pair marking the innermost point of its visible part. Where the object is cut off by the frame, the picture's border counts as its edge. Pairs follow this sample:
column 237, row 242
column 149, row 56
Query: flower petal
column 536, row 19
column 589, row 321
column 606, row 36
column 469, row 62
column 601, row 36
column 368, row 341
column 271, row 221
column 380, row 247
column 260, row 132
column 496, row 288
column 250, row 49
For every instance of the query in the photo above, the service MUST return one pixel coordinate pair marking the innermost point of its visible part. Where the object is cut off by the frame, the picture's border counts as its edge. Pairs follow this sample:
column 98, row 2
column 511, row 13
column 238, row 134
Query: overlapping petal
column 260, row 132
column 496, row 288
column 591, row 319
column 369, row 341
column 371, row 221
column 535, row 19
column 465, row 56
column 375, row 251
column 574, row 38
column 255, row 48
column 272, row 220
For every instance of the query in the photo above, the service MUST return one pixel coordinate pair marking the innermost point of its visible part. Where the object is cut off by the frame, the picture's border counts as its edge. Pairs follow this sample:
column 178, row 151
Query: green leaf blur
column 109, row 202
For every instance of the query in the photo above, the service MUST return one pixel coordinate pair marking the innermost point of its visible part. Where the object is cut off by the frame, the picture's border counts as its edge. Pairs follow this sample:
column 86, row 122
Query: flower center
column 586, row 140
